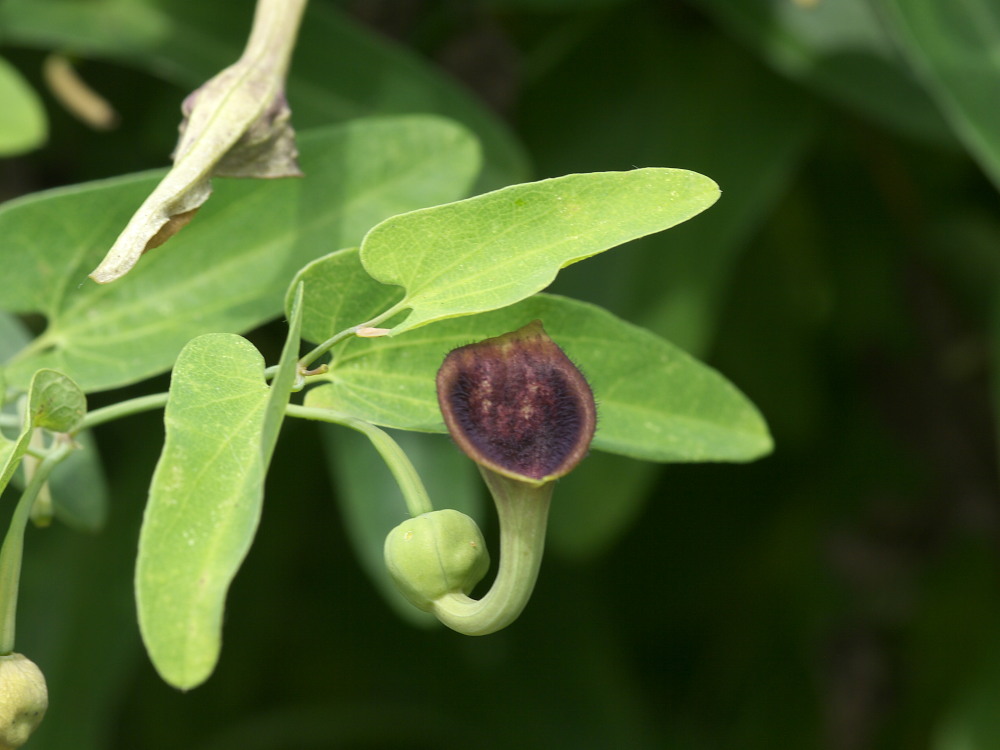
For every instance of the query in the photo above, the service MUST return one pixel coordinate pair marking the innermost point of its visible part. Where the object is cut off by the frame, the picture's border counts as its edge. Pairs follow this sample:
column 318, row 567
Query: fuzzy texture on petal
column 517, row 405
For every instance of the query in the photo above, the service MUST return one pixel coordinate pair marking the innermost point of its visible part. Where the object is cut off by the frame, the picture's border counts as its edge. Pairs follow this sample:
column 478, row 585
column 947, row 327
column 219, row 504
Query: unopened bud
column 436, row 553
column 23, row 699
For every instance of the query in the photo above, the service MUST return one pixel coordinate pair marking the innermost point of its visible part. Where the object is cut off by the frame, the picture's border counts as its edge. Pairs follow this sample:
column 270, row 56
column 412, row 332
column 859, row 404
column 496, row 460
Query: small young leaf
column 653, row 401
column 54, row 402
column 204, row 504
column 490, row 251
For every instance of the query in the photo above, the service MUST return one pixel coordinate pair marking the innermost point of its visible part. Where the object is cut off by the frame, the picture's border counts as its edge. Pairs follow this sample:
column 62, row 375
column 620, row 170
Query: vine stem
column 307, row 360
column 123, row 409
column 415, row 494
column 523, row 511
column 13, row 547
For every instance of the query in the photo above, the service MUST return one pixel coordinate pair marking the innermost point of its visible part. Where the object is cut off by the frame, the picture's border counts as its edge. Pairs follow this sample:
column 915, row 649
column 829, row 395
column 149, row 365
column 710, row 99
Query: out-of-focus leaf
column 953, row 47
column 204, row 504
column 372, row 504
column 229, row 269
column 118, row 28
column 839, row 48
column 340, row 70
column 495, row 249
column 972, row 722
column 14, row 336
column 79, row 489
column 22, row 120
column 597, row 502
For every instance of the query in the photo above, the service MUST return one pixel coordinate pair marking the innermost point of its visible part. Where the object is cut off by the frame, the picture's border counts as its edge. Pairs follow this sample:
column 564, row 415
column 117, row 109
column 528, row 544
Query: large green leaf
column 204, row 504
column 654, row 401
column 228, row 270
column 492, row 250
column 205, row 500
column 341, row 71
column 953, row 47
column 22, row 119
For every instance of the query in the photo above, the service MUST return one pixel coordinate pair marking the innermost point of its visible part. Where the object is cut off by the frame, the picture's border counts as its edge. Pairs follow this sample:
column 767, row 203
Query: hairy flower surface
column 516, row 404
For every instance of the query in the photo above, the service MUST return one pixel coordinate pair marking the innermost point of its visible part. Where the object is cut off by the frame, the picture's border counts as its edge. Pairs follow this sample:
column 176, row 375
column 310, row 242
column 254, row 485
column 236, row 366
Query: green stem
column 414, row 492
column 272, row 36
column 523, row 512
column 319, row 351
column 13, row 547
column 123, row 409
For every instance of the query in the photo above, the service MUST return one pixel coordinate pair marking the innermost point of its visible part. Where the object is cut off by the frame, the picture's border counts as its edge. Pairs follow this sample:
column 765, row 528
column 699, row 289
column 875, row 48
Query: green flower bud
column 23, row 699
column 434, row 554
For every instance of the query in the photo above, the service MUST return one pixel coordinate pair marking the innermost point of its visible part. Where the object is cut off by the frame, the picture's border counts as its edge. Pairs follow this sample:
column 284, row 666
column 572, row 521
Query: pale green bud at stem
column 435, row 554
column 23, row 700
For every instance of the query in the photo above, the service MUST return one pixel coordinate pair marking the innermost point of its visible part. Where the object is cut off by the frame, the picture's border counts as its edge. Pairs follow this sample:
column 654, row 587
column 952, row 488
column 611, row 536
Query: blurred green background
column 842, row 593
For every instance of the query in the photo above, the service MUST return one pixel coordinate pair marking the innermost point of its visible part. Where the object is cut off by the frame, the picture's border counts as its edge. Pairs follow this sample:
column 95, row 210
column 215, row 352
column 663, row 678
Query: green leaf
column 14, row 336
column 54, row 402
column 953, row 48
column 654, row 401
column 492, row 250
column 840, row 49
column 372, row 504
column 339, row 294
column 22, row 119
column 229, row 269
column 79, row 489
column 204, row 504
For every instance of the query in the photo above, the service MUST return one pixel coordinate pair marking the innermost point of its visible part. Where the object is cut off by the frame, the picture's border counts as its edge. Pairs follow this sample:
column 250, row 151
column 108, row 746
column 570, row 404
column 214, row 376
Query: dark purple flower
column 517, row 405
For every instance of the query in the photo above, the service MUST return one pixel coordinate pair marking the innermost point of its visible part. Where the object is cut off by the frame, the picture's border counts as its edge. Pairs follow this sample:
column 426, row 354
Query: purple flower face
column 516, row 404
